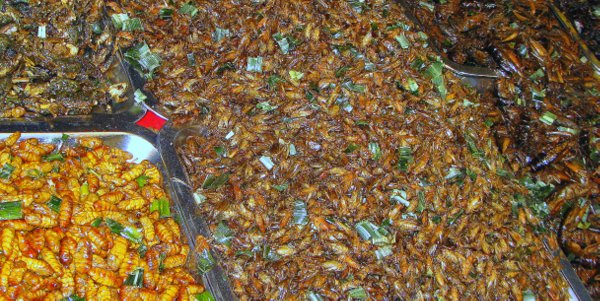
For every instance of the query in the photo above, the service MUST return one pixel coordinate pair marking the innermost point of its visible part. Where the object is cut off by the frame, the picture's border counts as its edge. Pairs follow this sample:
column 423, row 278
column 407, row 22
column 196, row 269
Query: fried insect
column 75, row 234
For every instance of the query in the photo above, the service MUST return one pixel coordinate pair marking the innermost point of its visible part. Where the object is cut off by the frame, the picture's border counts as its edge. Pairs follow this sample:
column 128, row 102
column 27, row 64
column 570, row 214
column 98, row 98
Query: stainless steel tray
column 568, row 26
column 144, row 145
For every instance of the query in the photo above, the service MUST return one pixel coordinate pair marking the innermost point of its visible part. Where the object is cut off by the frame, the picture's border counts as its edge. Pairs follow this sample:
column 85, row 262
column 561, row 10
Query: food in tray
column 54, row 57
column 81, row 221
column 336, row 159
column 585, row 16
column 549, row 100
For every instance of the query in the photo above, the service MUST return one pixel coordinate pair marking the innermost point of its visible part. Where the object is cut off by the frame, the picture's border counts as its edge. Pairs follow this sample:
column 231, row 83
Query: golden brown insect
column 105, row 277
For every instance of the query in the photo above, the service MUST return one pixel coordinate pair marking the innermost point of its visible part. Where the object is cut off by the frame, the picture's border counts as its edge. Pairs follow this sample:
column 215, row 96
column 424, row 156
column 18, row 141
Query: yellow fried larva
column 50, row 257
column 174, row 261
column 104, row 277
column 132, row 204
column 90, row 142
column 135, row 171
column 164, row 234
column 117, row 253
column 71, row 239
column 169, row 293
column 38, row 266
column 148, row 229
column 7, row 238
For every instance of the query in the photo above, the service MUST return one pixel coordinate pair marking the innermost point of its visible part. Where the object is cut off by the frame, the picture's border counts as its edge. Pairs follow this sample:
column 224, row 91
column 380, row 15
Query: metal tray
column 144, row 145
column 170, row 138
column 568, row 26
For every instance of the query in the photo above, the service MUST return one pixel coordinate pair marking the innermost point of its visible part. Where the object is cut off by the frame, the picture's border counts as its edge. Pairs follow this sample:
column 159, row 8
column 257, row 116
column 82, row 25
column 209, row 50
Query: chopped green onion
column 132, row 234
column 84, row 190
column 6, row 171
column 225, row 67
column 11, row 210
column 97, row 222
column 400, row 197
column 188, row 9
column 274, row 80
column 358, row 293
column 300, row 213
column 114, row 226
column 204, row 296
column 403, row 41
column 341, row 71
column 214, row 182
column 528, row 295
column 369, row 231
column 423, row 36
column 351, row 147
column 283, row 42
column 427, row 5
column 165, row 13
column 435, row 71
column 142, row 249
column 142, row 181
column 223, row 234
column 568, row 130
column 350, row 86
column 455, row 217
column 312, row 296
column 267, row 162
column 548, row 118
column 436, row 219
column 162, row 206
column 281, row 187
column 421, row 205
column 41, row 31
column 142, row 59
column 265, row 106
column 54, row 157
column 134, row 24
column 96, row 28
column 538, row 95
column 269, row 254
column 537, row 74
column 404, row 158
column 358, row 5
column 296, row 75
column 418, row 64
column 205, row 261
column 54, row 203
column 199, row 198
column 220, row 151
column 292, row 151
column 72, row 298
column 383, row 252
column 401, row 25
column 118, row 19
column 139, row 96
column 220, row 33
column 161, row 261
column 254, row 64
column 191, row 59
column 375, row 150
column 135, row 279
column 413, row 87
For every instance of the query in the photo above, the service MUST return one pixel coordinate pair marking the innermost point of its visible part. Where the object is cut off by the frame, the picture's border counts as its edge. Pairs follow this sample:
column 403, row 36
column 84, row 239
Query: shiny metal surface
column 458, row 69
column 568, row 26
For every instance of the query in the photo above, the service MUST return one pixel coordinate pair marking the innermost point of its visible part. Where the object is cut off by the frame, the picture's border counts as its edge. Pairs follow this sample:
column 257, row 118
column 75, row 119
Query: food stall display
column 364, row 150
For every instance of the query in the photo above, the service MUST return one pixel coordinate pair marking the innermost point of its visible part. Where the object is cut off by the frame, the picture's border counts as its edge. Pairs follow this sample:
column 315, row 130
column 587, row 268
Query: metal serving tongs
column 461, row 70
column 576, row 287
column 564, row 21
